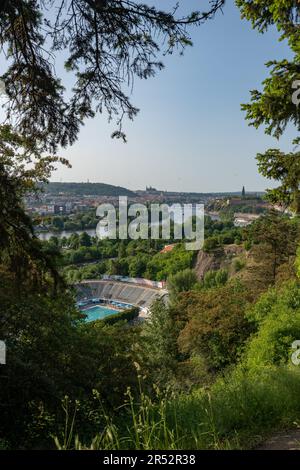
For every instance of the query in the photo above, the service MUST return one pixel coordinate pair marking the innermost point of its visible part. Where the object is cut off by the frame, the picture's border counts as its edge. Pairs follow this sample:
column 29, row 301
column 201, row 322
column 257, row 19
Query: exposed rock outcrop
column 208, row 262
column 220, row 258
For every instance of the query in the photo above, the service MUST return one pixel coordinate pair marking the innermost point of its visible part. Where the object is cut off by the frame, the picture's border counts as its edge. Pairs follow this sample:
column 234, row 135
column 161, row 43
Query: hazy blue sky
column 190, row 133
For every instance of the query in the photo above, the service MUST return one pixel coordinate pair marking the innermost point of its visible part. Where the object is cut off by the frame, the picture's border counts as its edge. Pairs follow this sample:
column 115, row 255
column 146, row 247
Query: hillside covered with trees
column 86, row 189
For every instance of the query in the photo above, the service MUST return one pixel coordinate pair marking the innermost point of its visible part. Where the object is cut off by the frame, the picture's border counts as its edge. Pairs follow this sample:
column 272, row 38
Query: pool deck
column 100, row 305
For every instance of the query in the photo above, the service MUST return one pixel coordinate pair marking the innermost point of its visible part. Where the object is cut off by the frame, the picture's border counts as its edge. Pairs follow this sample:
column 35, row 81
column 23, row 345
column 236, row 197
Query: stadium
column 98, row 299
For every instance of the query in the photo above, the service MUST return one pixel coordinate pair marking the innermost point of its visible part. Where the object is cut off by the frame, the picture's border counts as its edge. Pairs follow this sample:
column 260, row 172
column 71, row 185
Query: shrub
column 238, row 265
column 215, row 278
column 126, row 315
column 237, row 412
column 277, row 314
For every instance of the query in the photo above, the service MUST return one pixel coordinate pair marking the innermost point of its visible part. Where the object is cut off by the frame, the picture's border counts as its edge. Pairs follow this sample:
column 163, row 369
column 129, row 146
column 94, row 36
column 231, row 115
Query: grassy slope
column 237, row 412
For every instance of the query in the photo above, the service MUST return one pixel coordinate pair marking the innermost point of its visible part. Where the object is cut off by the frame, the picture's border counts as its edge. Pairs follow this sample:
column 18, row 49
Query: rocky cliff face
column 217, row 259
column 208, row 262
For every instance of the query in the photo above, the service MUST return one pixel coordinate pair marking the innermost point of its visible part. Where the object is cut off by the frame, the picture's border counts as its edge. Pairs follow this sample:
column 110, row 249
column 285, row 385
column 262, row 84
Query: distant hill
column 87, row 189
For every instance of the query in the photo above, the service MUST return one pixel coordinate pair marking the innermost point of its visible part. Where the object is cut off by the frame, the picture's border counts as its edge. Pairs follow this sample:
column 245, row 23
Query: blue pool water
column 97, row 313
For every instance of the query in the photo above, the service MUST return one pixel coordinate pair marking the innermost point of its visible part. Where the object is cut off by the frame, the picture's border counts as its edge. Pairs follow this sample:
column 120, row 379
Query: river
column 92, row 231
column 47, row 235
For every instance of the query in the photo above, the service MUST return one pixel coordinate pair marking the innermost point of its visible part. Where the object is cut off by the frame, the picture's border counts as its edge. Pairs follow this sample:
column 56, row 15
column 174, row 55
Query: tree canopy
column 21, row 170
column 276, row 165
column 273, row 107
column 105, row 44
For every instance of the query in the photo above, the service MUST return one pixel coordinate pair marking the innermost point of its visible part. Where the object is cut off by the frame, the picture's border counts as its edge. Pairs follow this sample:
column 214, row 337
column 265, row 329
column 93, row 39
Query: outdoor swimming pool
column 98, row 313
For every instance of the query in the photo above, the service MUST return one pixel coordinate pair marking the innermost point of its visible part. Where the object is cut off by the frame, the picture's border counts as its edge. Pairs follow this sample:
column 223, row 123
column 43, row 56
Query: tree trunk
column 296, row 203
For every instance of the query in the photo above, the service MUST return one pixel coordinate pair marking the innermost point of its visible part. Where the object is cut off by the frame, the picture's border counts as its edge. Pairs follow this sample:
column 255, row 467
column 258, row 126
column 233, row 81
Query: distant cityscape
column 67, row 199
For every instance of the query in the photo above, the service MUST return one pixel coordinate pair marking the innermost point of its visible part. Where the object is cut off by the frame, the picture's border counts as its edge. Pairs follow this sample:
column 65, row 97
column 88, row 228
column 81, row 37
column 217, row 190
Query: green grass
column 235, row 413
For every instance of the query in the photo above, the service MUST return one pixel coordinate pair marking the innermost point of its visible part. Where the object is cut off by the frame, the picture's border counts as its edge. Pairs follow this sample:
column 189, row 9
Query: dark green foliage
column 273, row 107
column 241, row 408
column 87, row 189
column 238, row 265
column 211, row 244
column 215, row 278
column 105, row 44
column 214, row 324
column 50, row 355
column 277, row 318
column 218, row 233
column 49, row 352
column 127, row 315
column 275, row 239
column 182, row 281
column 279, row 166
column 85, row 240
column 160, row 351
column 21, row 169
column 162, row 265
column 214, row 332
column 141, row 262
